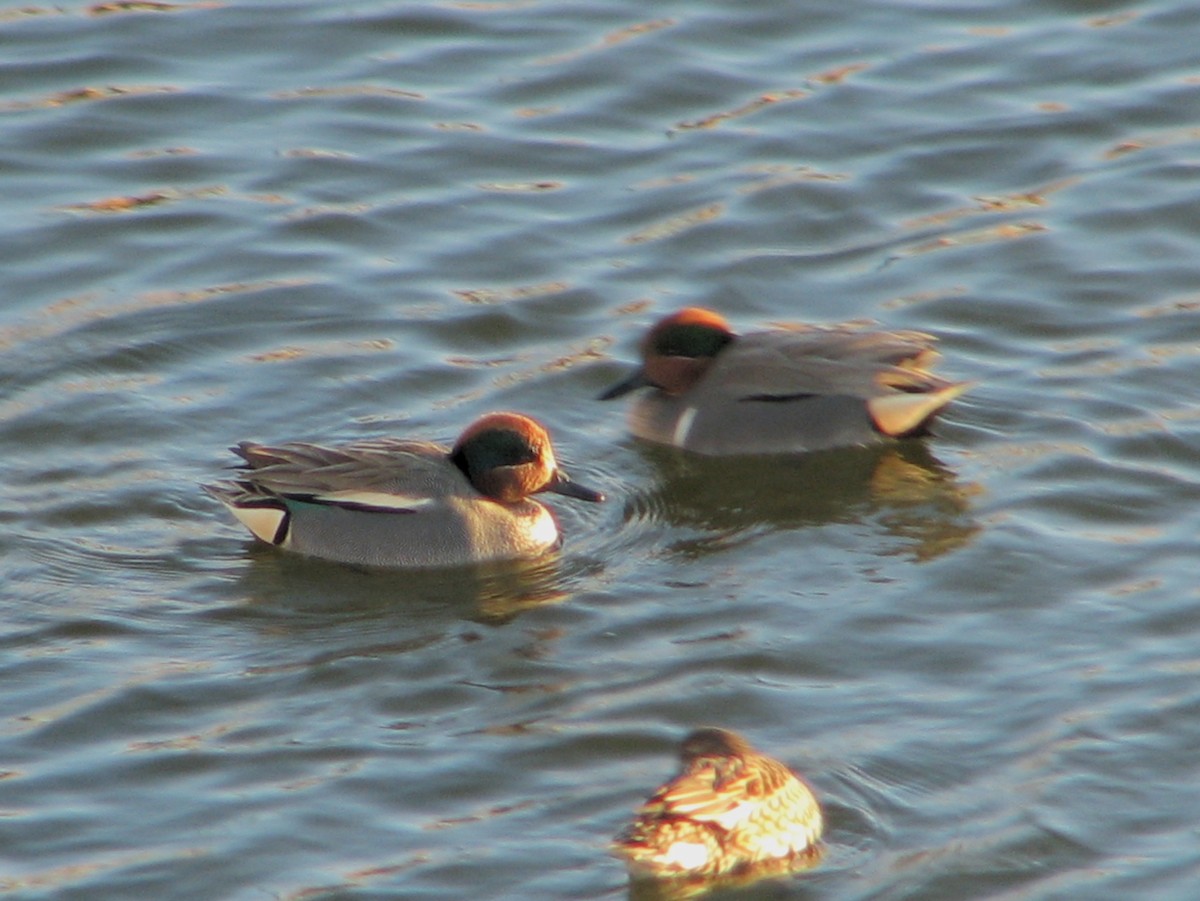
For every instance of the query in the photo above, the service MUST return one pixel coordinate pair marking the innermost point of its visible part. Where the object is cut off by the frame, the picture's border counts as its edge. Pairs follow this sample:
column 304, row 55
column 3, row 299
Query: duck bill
column 564, row 486
column 636, row 380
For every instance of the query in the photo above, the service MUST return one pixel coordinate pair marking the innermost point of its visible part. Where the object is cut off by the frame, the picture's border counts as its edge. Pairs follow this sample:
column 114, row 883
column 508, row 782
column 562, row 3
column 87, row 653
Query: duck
column 406, row 503
column 729, row 811
column 790, row 389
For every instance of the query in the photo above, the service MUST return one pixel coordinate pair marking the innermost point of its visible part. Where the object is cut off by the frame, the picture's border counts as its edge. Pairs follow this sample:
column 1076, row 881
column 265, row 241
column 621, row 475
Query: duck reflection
column 492, row 594
column 780, row 876
column 901, row 487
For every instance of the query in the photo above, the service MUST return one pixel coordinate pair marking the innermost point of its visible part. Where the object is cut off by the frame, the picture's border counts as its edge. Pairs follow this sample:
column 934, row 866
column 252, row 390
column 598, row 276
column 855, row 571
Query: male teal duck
column 730, row 810
column 397, row 502
column 784, row 390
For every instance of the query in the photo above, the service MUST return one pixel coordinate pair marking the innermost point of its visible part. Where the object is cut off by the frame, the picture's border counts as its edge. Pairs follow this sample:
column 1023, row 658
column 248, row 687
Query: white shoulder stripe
column 683, row 425
column 381, row 499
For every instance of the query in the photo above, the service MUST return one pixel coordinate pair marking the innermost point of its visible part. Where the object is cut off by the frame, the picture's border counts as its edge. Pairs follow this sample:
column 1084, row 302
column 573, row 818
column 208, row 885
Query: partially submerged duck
column 408, row 503
column 784, row 390
column 729, row 810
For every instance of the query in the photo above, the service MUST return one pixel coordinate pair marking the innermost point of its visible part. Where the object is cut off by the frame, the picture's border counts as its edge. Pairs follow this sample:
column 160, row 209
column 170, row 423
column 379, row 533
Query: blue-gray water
column 315, row 220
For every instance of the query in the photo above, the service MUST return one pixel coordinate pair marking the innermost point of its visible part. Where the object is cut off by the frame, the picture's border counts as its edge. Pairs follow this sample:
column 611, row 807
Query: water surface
column 285, row 220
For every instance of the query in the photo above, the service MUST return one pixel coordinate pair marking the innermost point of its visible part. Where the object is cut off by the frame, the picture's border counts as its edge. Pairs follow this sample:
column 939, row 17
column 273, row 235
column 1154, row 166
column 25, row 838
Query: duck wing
column 385, row 474
column 799, row 363
column 725, row 796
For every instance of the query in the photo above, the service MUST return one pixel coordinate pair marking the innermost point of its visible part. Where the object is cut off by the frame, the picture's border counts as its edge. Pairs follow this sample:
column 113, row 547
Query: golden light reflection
column 130, row 202
column 146, row 6
column 986, row 204
column 612, row 39
column 69, row 874
column 88, row 94
column 778, row 176
column 69, row 313
column 746, row 109
column 1111, row 20
column 1160, row 139
column 498, row 6
column 505, row 295
column 348, row 90
column 677, row 224
column 839, row 74
column 521, row 186
column 1006, row 232
column 488, row 813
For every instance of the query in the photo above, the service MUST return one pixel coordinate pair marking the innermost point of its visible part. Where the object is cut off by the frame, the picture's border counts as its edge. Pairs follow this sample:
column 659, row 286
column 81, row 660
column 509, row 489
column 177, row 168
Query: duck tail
column 267, row 518
column 902, row 414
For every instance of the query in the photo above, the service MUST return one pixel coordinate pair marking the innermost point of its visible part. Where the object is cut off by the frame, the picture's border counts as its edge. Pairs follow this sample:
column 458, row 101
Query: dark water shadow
column 902, row 489
column 275, row 582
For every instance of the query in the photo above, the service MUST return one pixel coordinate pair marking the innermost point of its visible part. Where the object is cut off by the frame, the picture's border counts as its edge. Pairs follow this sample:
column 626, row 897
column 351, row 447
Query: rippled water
column 324, row 221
